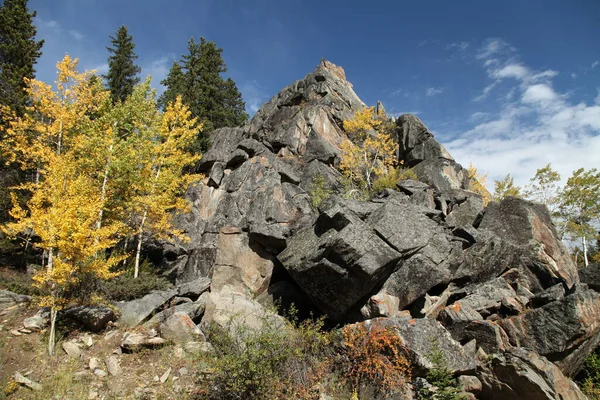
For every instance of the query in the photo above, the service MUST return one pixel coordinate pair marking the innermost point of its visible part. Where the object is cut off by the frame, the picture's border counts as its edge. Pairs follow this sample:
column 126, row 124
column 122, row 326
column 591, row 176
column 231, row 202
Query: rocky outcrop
column 426, row 259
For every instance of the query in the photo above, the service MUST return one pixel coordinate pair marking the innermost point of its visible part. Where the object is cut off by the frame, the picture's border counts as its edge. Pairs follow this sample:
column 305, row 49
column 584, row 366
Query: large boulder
column 423, row 338
column 136, row 311
column 239, row 315
column 241, row 265
column 93, row 318
column 523, row 223
column 338, row 260
column 416, row 142
column 519, row 374
column 9, row 299
column 565, row 331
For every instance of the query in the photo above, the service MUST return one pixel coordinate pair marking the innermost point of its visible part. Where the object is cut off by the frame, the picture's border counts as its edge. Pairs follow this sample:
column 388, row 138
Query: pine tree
column 197, row 77
column 122, row 73
column 19, row 51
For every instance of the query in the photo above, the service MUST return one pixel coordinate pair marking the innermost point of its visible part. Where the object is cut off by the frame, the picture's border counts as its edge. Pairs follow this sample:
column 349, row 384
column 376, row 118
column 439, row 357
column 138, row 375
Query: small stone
column 112, row 364
column 152, row 333
column 156, row 341
column 87, row 341
column 94, row 363
column 183, row 371
column 178, row 352
column 111, row 335
column 27, row 382
column 15, row 332
column 165, row 376
column 470, row 383
column 156, row 378
column 35, row 323
column 198, row 347
column 92, row 395
column 71, row 349
column 25, row 330
column 100, row 372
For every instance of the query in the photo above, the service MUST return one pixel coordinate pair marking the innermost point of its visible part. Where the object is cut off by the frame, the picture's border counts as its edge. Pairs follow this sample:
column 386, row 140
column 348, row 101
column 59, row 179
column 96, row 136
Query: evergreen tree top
column 197, row 77
column 19, row 51
column 122, row 74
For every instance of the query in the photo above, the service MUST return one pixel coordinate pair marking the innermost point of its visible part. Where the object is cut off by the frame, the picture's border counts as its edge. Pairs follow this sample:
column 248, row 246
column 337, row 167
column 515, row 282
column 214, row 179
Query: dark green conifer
column 215, row 101
column 122, row 74
column 19, row 51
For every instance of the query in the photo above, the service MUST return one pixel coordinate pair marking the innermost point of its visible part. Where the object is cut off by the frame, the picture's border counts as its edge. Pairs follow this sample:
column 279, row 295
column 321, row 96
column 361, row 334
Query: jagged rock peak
column 305, row 118
column 334, row 69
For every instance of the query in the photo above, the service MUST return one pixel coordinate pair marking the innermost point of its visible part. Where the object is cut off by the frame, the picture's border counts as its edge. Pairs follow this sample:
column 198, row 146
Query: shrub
column 270, row 363
column 18, row 282
column 372, row 151
column 388, row 181
column 319, row 190
column 591, row 382
column 125, row 287
column 374, row 359
column 441, row 378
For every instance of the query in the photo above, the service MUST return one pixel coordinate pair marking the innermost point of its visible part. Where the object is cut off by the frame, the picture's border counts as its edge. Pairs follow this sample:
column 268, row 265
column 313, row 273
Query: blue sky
column 508, row 85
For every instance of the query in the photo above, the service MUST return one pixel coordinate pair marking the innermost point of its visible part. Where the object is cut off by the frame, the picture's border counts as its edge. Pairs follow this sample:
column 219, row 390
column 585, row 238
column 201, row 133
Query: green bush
column 361, row 191
column 441, row 378
column 18, row 282
column 125, row 287
column 388, row 181
column 270, row 363
column 591, row 382
column 319, row 190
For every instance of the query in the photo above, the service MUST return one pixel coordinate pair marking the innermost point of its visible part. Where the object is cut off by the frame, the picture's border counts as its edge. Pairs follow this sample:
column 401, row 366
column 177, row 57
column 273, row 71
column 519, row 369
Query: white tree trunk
column 136, row 270
column 52, row 339
column 53, row 311
column 585, row 256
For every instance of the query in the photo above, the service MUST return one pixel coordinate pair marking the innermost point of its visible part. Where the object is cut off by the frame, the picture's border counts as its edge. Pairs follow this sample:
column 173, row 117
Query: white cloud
column 486, row 91
column 539, row 93
column 493, row 46
column 434, row 91
column 254, row 95
column 536, row 125
column 478, row 116
column 595, row 64
column 76, row 35
column 101, row 69
column 511, row 71
column 460, row 46
column 158, row 69
column 574, row 75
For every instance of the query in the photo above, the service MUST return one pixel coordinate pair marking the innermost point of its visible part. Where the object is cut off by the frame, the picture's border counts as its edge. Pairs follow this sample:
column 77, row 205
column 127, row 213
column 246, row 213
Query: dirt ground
column 166, row 373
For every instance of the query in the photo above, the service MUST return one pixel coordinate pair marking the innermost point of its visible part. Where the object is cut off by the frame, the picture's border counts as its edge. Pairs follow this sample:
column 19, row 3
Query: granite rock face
column 424, row 259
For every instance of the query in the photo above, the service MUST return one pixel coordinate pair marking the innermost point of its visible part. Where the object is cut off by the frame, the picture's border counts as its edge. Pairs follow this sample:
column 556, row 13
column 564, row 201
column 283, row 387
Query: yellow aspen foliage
column 477, row 183
column 372, row 151
column 101, row 173
column 66, row 199
column 161, row 180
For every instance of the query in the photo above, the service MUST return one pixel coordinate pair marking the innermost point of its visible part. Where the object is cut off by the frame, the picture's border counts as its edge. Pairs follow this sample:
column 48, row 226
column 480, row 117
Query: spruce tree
column 122, row 74
column 214, row 100
column 19, row 51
